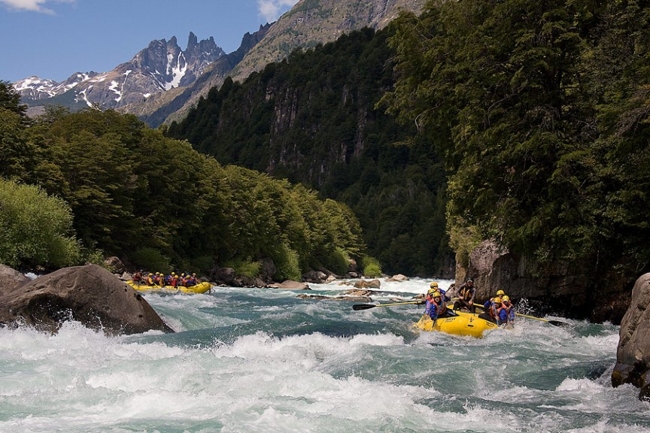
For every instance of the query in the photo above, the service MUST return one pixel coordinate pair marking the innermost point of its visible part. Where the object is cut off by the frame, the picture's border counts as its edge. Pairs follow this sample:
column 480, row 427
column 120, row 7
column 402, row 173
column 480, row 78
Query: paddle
column 358, row 307
column 551, row 322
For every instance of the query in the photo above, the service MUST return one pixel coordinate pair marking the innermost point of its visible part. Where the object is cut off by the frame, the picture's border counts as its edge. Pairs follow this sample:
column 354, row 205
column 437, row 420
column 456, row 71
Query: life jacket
column 466, row 293
column 511, row 313
column 490, row 307
column 432, row 309
column 507, row 315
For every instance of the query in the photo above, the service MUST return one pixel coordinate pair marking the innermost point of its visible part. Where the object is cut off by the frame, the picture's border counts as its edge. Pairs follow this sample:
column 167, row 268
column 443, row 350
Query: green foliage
column 245, row 267
column 201, row 264
column 95, row 257
column 10, row 100
column 158, row 204
column 16, row 153
column 339, row 262
column 371, row 267
column 151, row 259
column 35, row 229
column 286, row 263
column 313, row 120
column 540, row 111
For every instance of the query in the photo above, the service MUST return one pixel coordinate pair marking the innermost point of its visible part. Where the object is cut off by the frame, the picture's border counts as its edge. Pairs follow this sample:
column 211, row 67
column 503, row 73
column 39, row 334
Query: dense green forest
column 78, row 187
column 312, row 119
column 520, row 121
column 540, row 110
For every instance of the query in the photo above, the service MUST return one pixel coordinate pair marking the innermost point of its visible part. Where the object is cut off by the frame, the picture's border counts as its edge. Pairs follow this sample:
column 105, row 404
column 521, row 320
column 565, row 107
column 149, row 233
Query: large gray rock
column 10, row 279
column 633, row 354
column 88, row 294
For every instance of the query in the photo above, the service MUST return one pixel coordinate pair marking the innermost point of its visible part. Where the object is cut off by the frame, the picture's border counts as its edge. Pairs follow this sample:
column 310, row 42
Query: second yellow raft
column 198, row 288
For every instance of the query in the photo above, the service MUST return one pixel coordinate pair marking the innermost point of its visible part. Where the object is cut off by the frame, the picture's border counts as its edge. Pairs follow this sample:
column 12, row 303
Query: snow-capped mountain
column 158, row 68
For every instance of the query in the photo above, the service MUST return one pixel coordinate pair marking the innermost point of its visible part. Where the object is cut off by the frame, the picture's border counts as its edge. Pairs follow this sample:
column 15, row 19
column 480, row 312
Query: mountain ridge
column 161, row 83
column 307, row 24
column 159, row 67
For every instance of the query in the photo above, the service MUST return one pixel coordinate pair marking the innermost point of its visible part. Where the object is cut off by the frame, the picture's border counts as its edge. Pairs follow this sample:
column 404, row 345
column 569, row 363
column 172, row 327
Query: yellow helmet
column 433, row 285
column 497, row 300
column 500, row 292
column 436, row 294
column 506, row 298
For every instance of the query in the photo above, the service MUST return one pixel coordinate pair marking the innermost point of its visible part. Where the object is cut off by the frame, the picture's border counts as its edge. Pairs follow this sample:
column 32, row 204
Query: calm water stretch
column 262, row 360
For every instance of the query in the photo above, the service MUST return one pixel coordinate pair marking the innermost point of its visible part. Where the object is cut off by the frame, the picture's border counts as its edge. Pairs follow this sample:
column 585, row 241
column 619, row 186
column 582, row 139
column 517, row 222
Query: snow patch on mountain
column 129, row 82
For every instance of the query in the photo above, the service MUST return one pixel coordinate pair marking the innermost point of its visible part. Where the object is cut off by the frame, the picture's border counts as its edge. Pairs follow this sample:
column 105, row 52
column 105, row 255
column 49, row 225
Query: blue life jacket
column 431, row 309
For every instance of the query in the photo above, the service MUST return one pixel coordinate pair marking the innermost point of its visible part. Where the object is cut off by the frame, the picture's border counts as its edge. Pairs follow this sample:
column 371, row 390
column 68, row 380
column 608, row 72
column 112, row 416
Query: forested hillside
column 541, row 112
column 313, row 119
column 124, row 189
column 530, row 117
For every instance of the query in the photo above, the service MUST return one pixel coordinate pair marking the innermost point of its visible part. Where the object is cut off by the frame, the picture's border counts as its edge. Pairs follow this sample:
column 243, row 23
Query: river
column 253, row 360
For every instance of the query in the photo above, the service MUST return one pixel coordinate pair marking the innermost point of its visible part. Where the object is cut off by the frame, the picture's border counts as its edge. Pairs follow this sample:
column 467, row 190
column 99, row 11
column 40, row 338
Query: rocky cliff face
column 160, row 67
column 312, row 22
column 564, row 288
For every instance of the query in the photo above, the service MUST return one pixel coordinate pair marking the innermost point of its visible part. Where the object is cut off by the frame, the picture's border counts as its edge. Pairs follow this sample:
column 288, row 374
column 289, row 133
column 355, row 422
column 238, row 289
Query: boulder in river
column 10, row 279
column 633, row 354
column 88, row 294
column 289, row 285
column 368, row 284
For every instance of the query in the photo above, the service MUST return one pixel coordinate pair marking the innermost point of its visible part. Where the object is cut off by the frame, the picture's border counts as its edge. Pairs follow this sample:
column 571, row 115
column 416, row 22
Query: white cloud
column 32, row 5
column 272, row 9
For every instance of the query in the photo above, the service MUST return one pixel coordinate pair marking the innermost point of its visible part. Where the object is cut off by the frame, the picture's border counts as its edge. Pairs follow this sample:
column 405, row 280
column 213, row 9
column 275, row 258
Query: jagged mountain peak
column 144, row 84
column 159, row 67
column 308, row 23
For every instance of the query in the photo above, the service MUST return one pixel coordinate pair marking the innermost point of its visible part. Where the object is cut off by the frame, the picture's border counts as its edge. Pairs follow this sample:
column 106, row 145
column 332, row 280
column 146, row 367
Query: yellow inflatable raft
column 199, row 288
column 461, row 323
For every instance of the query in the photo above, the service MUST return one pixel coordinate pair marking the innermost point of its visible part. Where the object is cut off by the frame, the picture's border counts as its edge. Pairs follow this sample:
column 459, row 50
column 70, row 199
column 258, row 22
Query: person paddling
column 506, row 312
column 435, row 287
column 466, row 294
column 434, row 306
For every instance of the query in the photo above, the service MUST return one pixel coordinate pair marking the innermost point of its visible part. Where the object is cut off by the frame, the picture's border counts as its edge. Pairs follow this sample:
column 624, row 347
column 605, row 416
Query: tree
column 500, row 83
column 10, row 100
column 35, row 229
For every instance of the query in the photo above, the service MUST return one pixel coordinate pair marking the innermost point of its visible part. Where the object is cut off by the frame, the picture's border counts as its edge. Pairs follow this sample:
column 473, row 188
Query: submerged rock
column 88, row 294
column 633, row 354
column 289, row 285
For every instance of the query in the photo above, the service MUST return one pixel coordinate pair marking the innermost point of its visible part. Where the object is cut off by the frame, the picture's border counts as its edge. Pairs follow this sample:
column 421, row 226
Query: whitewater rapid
column 246, row 360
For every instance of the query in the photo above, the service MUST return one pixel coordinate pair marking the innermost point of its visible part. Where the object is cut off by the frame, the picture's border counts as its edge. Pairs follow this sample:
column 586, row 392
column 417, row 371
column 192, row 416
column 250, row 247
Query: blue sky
column 56, row 38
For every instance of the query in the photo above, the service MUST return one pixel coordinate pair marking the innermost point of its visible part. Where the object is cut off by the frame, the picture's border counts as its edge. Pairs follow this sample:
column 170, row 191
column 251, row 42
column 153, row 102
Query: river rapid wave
column 247, row 360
